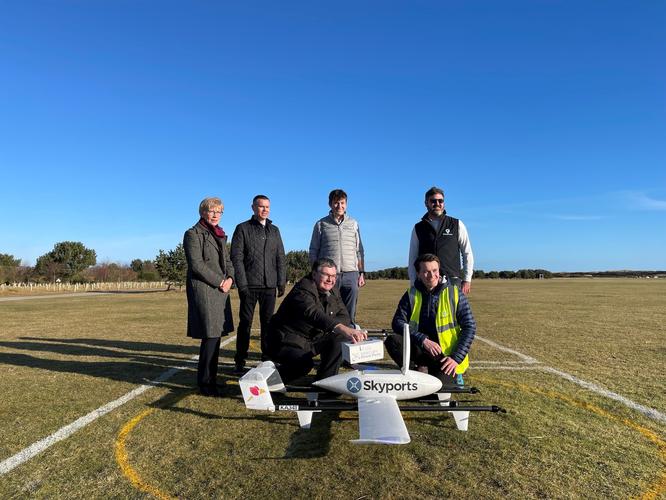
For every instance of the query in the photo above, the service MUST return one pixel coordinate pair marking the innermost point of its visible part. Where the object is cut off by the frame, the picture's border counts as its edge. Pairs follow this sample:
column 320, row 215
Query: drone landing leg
column 461, row 417
column 305, row 417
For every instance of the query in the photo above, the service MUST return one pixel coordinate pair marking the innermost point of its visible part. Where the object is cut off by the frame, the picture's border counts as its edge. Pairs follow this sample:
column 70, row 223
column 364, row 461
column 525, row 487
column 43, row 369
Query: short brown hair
column 433, row 190
column 335, row 195
column 259, row 197
column 426, row 257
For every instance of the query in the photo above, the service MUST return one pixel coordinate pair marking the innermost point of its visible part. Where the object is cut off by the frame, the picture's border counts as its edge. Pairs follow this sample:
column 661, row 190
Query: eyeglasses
column 328, row 276
column 216, row 212
column 436, row 201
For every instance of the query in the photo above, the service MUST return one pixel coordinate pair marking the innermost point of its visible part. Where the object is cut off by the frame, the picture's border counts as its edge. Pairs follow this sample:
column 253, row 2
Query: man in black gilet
column 444, row 236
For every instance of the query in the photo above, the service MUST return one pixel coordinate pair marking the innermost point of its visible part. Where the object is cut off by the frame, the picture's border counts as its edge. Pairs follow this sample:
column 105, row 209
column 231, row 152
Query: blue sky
column 544, row 122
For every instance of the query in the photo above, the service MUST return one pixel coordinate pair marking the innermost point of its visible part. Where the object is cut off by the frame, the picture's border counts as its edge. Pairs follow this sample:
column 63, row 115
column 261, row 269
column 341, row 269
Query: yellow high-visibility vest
column 446, row 323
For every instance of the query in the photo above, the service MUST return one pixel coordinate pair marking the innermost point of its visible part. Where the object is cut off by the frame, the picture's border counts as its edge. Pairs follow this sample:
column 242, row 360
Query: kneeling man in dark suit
column 312, row 320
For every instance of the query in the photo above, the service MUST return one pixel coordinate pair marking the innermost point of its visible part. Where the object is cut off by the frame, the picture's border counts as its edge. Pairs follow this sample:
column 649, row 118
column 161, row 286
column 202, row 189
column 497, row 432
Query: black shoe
column 209, row 391
column 239, row 369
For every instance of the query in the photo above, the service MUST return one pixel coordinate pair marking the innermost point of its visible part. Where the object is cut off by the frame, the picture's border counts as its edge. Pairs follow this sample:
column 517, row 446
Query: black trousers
column 209, row 352
column 297, row 361
column 248, row 302
column 419, row 357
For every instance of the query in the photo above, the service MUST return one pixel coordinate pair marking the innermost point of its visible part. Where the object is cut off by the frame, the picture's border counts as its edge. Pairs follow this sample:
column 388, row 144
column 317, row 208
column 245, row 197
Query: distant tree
column 525, row 273
column 493, row 275
column 148, row 272
column 145, row 270
column 108, row 272
column 136, row 265
column 542, row 272
column 398, row 273
column 25, row 274
column 298, row 265
column 8, row 267
column 66, row 260
column 507, row 274
column 478, row 274
column 391, row 273
column 172, row 266
column 9, row 260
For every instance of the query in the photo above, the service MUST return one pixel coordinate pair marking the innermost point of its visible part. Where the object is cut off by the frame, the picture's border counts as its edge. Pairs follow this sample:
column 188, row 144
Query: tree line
column 400, row 273
column 73, row 262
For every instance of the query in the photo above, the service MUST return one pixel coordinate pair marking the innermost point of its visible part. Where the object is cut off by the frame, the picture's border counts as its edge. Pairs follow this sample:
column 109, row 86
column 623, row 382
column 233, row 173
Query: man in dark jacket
column 441, row 324
column 312, row 320
column 259, row 262
column 446, row 237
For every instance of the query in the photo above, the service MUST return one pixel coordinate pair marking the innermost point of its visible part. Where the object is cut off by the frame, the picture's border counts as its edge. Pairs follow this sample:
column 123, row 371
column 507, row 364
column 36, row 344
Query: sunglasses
column 436, row 201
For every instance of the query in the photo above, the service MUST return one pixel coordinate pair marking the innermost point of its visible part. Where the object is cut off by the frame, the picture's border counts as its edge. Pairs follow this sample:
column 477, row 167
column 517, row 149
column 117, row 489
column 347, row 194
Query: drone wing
column 380, row 421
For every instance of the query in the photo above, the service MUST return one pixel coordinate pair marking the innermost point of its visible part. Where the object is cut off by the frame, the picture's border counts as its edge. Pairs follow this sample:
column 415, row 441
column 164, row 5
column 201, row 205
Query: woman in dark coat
column 209, row 278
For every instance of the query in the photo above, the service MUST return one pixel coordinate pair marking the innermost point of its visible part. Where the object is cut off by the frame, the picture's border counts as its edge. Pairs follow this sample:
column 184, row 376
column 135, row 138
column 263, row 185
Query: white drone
column 377, row 392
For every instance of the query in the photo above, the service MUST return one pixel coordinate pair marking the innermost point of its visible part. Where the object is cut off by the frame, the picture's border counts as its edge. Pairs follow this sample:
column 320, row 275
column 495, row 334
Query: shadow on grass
column 135, row 372
column 314, row 442
column 132, row 362
column 230, row 353
column 120, row 344
column 176, row 395
column 304, row 443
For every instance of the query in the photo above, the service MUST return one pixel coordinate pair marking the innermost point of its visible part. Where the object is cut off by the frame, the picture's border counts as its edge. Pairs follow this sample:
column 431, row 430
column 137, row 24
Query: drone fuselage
column 373, row 383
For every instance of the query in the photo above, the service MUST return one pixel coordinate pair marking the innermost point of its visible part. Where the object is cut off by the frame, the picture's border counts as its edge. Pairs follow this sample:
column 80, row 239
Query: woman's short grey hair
column 209, row 203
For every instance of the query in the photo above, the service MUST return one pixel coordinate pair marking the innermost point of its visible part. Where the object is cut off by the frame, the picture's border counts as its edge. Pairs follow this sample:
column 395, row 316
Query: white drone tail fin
column 461, row 417
column 257, row 384
column 406, row 348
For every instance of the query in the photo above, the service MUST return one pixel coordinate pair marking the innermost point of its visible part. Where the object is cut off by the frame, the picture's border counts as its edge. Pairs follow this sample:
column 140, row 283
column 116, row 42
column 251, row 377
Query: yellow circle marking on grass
column 123, row 461
column 655, row 490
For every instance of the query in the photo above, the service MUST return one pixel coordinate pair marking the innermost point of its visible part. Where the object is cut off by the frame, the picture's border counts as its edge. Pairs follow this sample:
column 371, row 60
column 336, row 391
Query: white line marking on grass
column 499, row 347
column 64, row 432
column 645, row 410
column 505, row 363
column 495, row 367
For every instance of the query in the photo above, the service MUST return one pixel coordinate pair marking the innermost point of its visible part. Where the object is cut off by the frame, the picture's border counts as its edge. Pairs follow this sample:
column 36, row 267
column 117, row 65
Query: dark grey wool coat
column 208, row 265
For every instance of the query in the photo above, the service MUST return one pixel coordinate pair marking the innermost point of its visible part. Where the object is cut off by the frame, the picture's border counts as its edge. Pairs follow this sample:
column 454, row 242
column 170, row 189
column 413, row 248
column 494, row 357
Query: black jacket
column 443, row 243
column 305, row 315
column 258, row 255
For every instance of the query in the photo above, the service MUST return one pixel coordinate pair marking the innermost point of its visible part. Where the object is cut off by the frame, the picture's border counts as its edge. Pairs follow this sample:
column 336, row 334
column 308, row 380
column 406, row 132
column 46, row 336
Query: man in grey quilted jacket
column 257, row 250
column 337, row 237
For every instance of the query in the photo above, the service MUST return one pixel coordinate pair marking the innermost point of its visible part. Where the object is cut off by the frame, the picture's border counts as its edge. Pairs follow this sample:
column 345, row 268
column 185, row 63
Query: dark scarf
column 216, row 230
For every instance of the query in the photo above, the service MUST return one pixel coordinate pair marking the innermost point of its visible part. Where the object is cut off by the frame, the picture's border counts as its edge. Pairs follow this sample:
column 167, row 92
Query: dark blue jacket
column 427, row 328
column 258, row 255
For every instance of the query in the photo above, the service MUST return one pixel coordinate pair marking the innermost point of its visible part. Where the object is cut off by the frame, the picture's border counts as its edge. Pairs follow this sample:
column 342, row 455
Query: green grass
column 62, row 358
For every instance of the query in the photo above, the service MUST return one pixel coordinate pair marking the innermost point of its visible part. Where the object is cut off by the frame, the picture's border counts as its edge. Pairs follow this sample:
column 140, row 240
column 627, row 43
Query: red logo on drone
column 256, row 391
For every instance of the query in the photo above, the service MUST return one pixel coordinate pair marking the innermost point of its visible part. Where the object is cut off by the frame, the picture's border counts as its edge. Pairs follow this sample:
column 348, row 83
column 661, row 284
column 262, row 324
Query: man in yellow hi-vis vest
column 441, row 324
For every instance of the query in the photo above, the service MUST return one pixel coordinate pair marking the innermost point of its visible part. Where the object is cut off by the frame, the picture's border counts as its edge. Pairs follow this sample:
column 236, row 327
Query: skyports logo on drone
column 354, row 385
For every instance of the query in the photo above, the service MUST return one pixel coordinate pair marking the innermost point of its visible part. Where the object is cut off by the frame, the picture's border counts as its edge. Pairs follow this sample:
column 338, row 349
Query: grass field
column 62, row 358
